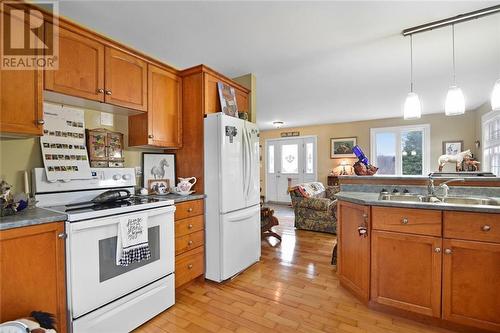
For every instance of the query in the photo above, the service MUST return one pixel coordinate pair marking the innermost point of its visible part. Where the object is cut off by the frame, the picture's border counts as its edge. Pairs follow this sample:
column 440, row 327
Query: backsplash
column 454, row 190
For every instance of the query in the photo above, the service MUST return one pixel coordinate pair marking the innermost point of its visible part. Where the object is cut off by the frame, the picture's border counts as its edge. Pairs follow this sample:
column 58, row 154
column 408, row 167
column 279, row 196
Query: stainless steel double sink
column 465, row 200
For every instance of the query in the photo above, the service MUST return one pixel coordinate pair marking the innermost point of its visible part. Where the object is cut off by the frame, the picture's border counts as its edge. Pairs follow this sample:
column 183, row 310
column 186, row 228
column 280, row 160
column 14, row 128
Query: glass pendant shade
column 412, row 108
column 495, row 96
column 455, row 102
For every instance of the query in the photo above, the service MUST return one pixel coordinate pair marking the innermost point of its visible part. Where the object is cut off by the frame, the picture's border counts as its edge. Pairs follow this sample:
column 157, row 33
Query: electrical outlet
column 138, row 171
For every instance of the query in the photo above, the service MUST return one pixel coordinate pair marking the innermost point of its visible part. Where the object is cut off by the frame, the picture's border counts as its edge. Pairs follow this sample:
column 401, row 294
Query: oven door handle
column 110, row 220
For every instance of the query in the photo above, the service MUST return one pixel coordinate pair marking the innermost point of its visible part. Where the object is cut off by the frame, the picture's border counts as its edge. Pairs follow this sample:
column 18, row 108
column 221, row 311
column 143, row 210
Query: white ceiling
column 315, row 62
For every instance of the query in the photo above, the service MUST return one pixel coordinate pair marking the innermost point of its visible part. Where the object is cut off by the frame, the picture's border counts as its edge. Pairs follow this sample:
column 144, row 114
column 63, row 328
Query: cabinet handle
column 190, row 209
column 62, row 235
column 448, row 251
column 437, row 250
column 40, row 122
column 190, row 243
column 100, row 91
column 190, row 266
column 362, row 231
column 404, row 220
column 108, row 92
column 190, row 226
column 486, row 227
column 150, row 136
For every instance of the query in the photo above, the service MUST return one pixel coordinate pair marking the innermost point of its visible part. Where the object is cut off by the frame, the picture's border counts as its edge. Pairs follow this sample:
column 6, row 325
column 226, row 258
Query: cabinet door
column 126, row 80
column 164, row 113
column 242, row 101
column 21, row 101
column 81, row 67
column 33, row 275
column 406, row 272
column 353, row 249
column 212, row 103
column 471, row 280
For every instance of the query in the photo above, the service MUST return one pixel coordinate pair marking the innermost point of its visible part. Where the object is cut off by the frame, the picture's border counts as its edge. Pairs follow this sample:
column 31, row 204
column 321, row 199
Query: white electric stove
column 103, row 296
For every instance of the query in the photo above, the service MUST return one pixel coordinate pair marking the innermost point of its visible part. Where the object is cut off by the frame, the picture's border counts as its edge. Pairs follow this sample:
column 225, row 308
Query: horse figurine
column 158, row 172
column 457, row 159
column 468, row 162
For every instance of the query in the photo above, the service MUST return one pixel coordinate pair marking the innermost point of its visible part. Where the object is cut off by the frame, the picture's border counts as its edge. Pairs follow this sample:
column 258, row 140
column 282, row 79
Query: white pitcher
column 185, row 184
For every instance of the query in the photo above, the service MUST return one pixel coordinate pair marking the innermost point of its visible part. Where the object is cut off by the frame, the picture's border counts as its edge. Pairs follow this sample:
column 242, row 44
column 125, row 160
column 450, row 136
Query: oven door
column 93, row 276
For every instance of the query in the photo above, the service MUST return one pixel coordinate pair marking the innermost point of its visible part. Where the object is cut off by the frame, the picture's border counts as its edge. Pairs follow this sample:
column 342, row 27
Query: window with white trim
column 402, row 150
column 491, row 142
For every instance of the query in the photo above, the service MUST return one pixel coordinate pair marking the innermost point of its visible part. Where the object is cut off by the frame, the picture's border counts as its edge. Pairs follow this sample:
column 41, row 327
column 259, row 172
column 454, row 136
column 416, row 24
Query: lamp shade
column 412, row 108
column 495, row 96
column 455, row 102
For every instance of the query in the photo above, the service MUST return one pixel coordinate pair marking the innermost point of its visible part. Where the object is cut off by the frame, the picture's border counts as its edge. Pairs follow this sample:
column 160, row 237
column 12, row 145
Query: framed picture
column 158, row 167
column 227, row 97
column 158, row 186
column 453, row 147
column 342, row 147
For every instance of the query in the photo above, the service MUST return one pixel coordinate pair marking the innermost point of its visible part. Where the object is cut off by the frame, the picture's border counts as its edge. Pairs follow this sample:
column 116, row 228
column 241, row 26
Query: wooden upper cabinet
column 81, row 67
column 242, row 101
column 212, row 104
column 471, row 293
column 21, row 109
column 354, row 250
column 165, row 114
column 125, row 80
column 33, row 272
column 406, row 272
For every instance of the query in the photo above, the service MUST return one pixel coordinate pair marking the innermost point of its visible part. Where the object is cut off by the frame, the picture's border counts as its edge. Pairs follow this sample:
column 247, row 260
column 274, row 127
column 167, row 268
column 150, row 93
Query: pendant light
column 455, row 101
column 495, row 96
column 412, row 108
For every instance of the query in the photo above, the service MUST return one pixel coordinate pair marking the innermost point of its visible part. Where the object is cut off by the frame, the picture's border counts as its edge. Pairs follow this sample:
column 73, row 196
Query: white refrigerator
column 232, row 187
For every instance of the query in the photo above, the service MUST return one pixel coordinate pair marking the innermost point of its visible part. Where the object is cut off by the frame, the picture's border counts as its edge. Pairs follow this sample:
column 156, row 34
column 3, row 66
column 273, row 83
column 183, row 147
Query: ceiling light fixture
column 412, row 108
column 495, row 96
column 455, row 100
column 278, row 124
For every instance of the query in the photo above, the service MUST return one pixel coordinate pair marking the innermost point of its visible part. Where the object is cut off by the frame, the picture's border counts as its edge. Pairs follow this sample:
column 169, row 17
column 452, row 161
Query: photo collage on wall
column 63, row 143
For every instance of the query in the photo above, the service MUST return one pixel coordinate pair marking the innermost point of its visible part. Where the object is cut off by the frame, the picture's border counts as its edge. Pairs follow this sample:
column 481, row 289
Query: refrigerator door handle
column 244, row 153
column 250, row 155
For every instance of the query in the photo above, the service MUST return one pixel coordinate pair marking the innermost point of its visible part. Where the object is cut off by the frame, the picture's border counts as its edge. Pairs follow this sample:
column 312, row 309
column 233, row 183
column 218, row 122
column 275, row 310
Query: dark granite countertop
column 29, row 217
column 366, row 198
column 178, row 198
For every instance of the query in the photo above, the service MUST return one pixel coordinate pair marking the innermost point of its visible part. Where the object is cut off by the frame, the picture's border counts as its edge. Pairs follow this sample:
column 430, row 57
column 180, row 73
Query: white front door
column 289, row 162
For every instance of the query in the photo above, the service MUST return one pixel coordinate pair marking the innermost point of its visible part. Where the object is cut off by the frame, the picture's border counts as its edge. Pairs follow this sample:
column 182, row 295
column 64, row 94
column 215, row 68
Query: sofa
column 315, row 207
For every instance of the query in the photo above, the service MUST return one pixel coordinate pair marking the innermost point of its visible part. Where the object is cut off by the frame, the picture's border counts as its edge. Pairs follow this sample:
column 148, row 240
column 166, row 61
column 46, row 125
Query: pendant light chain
column 411, row 63
column 453, row 47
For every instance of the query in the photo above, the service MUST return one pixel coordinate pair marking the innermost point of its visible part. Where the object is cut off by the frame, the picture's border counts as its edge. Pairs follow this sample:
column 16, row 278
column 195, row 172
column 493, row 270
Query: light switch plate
column 138, row 171
column 106, row 119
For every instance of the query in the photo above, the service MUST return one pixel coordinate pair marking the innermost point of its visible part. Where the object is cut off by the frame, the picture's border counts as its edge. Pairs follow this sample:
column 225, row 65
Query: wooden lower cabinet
column 354, row 250
column 189, row 241
column 471, row 283
column 33, row 272
column 406, row 272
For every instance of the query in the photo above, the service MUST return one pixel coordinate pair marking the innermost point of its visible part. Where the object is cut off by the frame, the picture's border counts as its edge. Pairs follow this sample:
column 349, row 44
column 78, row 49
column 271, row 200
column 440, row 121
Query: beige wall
column 442, row 128
column 17, row 155
column 248, row 81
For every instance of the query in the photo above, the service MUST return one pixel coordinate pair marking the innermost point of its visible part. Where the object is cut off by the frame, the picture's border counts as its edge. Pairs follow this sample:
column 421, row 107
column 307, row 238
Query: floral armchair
column 315, row 207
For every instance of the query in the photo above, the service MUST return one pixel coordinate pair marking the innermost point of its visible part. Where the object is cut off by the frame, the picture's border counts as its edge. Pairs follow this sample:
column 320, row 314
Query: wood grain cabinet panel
column 125, row 80
column 188, row 225
column 472, row 226
column 189, row 242
column 81, row 67
column 189, row 265
column 413, row 221
column 354, row 250
column 32, row 272
column 212, row 104
column 189, row 209
column 406, row 272
column 471, row 280
column 242, row 101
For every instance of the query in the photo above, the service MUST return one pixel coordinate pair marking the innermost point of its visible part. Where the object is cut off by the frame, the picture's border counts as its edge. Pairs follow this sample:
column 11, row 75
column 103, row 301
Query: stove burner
column 132, row 201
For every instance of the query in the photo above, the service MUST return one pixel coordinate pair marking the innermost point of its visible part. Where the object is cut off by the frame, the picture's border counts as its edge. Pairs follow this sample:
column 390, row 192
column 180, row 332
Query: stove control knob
column 117, row 176
column 126, row 176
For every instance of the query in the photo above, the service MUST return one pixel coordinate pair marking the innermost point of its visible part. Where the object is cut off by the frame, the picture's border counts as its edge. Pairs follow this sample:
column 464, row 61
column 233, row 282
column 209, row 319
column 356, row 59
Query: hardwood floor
column 292, row 289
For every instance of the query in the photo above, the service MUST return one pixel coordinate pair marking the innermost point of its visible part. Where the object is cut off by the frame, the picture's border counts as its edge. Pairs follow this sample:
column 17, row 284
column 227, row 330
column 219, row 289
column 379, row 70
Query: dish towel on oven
column 132, row 243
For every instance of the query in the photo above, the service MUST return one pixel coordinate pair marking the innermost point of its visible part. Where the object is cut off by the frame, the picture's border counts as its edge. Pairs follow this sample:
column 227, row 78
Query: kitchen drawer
column 189, row 225
column 472, row 226
column 412, row 221
column 188, row 209
column 189, row 242
column 189, row 265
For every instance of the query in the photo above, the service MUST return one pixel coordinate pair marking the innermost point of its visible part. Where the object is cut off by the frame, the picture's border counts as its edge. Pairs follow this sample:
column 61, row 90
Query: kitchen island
column 435, row 262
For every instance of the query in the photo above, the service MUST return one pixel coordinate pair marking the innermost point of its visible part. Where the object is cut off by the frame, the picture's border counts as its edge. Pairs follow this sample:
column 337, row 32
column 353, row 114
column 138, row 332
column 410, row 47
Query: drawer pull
column 190, row 266
column 486, row 227
column 190, row 226
column 448, row 251
column 404, row 220
column 190, row 209
column 100, row 91
column 108, row 92
column 437, row 250
column 190, row 243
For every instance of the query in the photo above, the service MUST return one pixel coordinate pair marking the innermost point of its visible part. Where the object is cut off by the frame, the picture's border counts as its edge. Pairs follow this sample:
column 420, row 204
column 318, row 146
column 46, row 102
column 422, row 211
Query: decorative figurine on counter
column 10, row 205
column 363, row 167
column 457, row 159
column 471, row 164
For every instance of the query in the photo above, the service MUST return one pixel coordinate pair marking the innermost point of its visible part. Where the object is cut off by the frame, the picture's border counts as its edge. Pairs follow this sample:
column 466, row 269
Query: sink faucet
column 431, row 189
